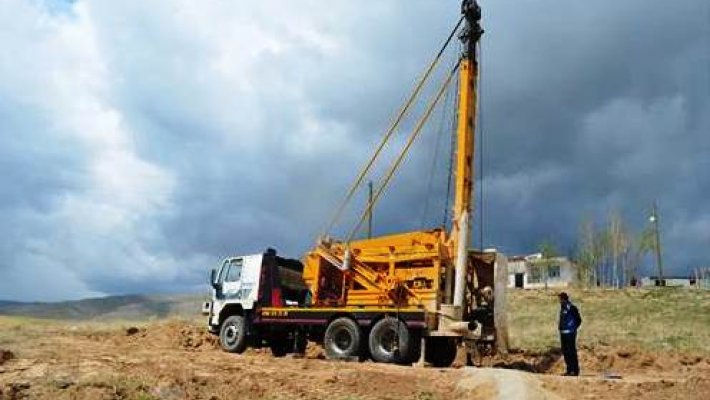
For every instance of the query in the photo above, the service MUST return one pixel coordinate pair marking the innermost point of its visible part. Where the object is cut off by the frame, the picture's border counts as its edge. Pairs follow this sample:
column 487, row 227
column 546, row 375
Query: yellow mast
column 405, row 269
column 468, row 77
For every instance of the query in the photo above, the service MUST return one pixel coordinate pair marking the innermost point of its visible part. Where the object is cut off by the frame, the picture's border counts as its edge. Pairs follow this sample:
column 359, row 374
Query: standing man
column 570, row 320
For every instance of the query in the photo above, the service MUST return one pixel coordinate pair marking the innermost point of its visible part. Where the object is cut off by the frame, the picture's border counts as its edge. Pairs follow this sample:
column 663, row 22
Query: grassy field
column 651, row 319
column 672, row 319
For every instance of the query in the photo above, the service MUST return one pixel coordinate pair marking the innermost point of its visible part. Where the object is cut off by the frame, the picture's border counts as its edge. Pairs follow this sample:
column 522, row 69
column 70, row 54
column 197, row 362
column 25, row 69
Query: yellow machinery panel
column 405, row 270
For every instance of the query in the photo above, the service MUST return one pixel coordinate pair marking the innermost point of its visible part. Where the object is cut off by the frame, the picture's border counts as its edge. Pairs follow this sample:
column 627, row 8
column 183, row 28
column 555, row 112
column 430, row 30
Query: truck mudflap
column 414, row 319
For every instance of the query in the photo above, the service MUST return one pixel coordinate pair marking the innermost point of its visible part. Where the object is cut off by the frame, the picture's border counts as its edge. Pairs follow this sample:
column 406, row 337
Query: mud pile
column 176, row 335
column 606, row 358
column 179, row 335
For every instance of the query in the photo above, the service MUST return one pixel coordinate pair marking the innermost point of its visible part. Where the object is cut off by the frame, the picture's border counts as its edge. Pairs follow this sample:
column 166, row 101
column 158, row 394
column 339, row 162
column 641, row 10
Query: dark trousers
column 569, row 351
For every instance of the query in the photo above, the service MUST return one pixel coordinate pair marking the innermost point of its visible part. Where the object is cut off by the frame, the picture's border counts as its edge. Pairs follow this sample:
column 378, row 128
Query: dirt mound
column 630, row 359
column 529, row 361
column 315, row 351
column 178, row 335
column 182, row 336
column 174, row 335
column 635, row 387
column 599, row 360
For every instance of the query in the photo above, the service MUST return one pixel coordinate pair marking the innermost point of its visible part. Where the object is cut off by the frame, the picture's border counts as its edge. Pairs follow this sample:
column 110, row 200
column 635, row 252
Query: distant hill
column 133, row 307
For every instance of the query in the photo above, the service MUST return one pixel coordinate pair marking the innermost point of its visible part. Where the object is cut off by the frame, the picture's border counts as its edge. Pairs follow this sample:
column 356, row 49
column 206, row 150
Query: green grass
column 673, row 319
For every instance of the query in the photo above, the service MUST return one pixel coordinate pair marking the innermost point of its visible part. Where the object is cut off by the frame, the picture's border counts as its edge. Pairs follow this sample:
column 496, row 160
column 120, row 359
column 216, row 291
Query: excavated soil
column 601, row 360
column 181, row 361
column 615, row 373
column 178, row 360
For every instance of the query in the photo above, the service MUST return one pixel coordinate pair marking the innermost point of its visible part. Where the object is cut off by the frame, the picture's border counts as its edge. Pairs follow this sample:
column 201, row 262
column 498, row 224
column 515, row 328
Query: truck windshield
column 231, row 270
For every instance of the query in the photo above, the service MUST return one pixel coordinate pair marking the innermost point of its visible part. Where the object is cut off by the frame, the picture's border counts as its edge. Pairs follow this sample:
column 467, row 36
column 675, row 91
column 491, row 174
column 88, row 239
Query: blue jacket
column 570, row 320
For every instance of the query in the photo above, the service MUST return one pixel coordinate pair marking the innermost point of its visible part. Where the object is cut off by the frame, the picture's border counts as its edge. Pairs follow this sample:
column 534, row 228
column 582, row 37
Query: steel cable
column 390, row 131
column 398, row 161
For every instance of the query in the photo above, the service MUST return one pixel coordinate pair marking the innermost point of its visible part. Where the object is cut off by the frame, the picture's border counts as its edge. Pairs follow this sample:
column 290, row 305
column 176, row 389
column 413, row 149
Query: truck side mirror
column 213, row 279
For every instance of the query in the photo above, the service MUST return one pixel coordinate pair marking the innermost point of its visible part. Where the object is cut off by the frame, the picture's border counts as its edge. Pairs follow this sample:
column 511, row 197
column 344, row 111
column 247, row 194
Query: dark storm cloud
column 140, row 145
column 603, row 94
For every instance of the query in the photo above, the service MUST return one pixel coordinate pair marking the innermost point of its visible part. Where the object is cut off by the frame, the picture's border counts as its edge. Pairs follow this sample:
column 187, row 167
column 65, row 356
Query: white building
column 534, row 272
column 670, row 281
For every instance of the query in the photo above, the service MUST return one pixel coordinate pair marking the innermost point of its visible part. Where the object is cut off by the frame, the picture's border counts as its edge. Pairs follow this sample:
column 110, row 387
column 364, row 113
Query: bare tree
column 619, row 247
column 610, row 256
column 585, row 257
column 642, row 244
column 614, row 241
column 548, row 251
column 602, row 254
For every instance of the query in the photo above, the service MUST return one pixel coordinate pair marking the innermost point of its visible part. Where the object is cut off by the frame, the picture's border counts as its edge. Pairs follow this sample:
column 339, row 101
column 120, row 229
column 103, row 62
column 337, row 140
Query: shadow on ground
column 536, row 362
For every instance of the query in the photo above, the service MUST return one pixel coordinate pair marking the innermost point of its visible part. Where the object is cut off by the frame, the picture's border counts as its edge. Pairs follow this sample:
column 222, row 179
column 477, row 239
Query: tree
column 618, row 246
column 612, row 255
column 548, row 253
column 602, row 254
column 585, row 257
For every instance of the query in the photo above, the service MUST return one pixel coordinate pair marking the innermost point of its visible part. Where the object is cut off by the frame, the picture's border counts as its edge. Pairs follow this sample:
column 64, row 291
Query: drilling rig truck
column 409, row 297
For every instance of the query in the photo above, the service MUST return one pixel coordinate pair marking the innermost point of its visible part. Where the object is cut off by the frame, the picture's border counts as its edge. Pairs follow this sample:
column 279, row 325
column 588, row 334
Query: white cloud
column 96, row 228
column 93, row 71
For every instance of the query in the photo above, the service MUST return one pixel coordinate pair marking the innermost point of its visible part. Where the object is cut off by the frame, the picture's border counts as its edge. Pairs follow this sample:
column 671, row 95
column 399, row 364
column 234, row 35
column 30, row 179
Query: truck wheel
column 342, row 339
column 280, row 346
column 232, row 335
column 440, row 351
column 390, row 341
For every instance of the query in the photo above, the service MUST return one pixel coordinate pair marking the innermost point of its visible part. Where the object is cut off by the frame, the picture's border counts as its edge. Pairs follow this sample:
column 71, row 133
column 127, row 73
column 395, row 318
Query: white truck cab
column 234, row 282
column 243, row 288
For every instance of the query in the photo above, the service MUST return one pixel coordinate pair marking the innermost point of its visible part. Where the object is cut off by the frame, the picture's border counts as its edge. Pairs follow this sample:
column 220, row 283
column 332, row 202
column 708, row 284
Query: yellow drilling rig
column 401, row 298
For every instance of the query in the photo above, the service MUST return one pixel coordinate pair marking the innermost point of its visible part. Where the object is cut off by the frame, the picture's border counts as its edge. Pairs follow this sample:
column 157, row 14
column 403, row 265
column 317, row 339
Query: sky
column 141, row 143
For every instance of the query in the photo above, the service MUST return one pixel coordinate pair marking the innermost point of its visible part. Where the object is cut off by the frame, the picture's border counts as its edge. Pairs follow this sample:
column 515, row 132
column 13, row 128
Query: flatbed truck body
column 263, row 300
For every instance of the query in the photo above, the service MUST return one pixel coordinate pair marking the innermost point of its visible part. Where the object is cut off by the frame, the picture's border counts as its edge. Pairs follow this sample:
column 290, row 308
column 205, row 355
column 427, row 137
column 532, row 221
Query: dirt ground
column 179, row 360
column 610, row 372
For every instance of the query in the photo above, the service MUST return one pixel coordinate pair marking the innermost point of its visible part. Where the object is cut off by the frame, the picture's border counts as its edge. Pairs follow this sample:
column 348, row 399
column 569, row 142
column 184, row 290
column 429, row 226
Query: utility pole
column 369, row 206
column 657, row 233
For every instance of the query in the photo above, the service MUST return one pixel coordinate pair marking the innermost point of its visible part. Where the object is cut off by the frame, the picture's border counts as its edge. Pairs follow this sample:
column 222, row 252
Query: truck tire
column 390, row 341
column 280, row 346
column 232, row 334
column 440, row 352
column 342, row 339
